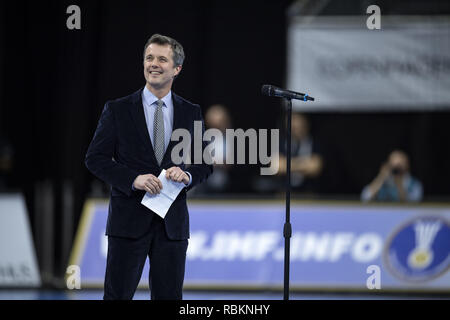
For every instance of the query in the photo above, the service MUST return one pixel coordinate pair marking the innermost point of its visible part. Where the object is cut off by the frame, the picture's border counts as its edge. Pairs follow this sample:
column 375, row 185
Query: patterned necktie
column 158, row 132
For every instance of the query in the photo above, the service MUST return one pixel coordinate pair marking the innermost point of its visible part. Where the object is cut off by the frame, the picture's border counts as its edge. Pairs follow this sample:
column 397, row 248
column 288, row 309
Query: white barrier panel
column 18, row 264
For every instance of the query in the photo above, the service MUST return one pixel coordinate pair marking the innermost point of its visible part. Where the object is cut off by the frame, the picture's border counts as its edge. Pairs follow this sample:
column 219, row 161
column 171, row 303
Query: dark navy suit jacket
column 121, row 150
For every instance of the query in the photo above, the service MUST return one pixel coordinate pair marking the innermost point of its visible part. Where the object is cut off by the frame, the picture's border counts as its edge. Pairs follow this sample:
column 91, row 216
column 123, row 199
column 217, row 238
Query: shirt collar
column 150, row 98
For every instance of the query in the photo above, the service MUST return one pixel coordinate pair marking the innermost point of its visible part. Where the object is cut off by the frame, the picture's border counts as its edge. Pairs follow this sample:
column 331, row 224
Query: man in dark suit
column 131, row 146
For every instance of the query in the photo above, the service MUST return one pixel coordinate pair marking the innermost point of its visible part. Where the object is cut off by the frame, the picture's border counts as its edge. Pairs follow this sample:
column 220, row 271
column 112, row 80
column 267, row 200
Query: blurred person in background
column 394, row 181
column 306, row 158
column 218, row 117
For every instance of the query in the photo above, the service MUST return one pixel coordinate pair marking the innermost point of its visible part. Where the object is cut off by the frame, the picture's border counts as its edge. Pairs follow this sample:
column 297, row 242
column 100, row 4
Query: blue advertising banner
column 240, row 244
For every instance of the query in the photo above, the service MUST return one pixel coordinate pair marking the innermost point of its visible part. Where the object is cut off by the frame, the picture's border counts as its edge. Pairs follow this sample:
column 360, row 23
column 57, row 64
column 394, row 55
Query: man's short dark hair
column 177, row 48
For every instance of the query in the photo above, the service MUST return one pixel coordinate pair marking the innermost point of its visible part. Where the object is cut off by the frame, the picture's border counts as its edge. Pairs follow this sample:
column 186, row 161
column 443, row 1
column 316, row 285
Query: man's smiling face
column 159, row 67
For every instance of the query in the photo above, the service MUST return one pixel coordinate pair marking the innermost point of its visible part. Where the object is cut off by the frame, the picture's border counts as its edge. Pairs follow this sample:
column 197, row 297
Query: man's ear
column 178, row 70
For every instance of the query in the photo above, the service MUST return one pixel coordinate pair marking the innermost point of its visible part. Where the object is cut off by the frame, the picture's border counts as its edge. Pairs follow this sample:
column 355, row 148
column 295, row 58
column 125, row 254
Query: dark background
column 54, row 83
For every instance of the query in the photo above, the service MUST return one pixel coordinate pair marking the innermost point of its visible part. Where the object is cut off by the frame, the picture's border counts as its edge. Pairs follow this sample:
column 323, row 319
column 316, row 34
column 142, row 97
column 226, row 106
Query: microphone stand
column 269, row 90
column 287, row 229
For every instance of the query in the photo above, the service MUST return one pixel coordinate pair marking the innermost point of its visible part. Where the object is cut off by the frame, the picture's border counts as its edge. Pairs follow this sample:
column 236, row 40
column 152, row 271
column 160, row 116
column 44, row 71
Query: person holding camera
column 394, row 182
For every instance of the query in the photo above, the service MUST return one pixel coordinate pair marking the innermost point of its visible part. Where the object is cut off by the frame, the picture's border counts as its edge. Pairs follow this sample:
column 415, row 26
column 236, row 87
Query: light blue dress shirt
column 149, row 102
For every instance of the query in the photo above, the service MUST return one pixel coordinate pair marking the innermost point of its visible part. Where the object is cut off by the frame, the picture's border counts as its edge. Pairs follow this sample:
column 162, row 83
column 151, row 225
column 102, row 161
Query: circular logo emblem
column 420, row 249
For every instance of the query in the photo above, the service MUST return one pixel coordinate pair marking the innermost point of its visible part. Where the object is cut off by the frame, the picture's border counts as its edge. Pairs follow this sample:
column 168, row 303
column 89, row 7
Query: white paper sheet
column 160, row 203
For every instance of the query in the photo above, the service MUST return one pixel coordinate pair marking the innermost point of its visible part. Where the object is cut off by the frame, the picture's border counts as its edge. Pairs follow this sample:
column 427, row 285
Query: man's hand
column 148, row 182
column 377, row 183
column 178, row 175
column 385, row 171
column 398, row 180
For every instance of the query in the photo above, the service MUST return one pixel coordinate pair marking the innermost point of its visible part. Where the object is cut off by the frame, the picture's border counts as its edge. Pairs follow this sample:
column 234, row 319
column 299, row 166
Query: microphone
column 272, row 91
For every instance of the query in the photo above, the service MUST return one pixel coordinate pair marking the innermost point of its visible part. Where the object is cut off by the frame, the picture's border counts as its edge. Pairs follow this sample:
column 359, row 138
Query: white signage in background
column 18, row 264
column 347, row 67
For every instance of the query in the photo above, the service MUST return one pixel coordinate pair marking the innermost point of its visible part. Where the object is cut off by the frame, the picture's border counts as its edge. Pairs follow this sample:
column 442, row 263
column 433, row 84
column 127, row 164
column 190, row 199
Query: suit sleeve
column 100, row 155
column 199, row 172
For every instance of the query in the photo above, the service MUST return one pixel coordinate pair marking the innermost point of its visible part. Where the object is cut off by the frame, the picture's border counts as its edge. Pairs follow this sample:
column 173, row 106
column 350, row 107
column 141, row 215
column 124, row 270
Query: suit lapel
column 137, row 112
